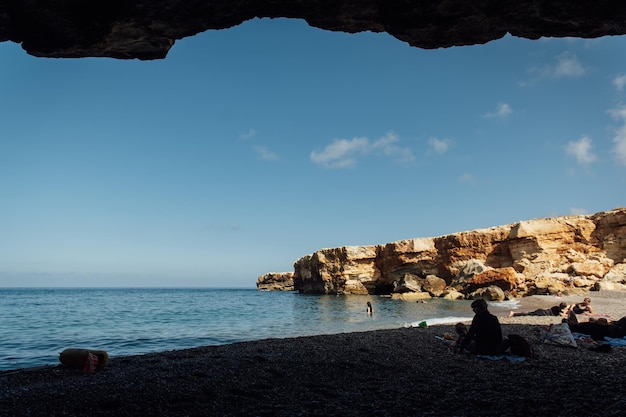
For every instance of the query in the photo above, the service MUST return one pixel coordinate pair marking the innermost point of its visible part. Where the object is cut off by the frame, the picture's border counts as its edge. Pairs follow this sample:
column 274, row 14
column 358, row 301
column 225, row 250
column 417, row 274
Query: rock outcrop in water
column 275, row 281
column 540, row 256
column 147, row 29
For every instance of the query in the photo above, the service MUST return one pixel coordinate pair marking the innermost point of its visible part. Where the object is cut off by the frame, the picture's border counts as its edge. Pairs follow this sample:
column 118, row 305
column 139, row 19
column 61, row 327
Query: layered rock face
column 147, row 29
column 538, row 256
column 275, row 281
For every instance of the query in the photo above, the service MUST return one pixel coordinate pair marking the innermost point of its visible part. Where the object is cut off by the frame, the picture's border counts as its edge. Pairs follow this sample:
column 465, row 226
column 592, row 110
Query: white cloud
column 581, row 150
column 341, row 153
column 619, row 82
column 386, row 141
column 344, row 153
column 386, row 144
column 620, row 134
column 468, row 179
column 265, row 154
column 567, row 65
column 248, row 135
column 578, row 211
column 502, row 110
column 439, row 146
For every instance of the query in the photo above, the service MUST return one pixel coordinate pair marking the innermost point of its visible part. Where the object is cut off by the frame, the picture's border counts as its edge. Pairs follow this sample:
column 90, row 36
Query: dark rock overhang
column 147, row 29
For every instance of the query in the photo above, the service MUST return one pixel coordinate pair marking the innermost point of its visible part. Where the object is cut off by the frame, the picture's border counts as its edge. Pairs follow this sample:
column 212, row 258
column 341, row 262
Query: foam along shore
column 398, row 372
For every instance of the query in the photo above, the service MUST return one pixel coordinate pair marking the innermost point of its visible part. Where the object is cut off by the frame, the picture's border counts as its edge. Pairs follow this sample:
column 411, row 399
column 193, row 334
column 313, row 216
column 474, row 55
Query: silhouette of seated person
column 485, row 331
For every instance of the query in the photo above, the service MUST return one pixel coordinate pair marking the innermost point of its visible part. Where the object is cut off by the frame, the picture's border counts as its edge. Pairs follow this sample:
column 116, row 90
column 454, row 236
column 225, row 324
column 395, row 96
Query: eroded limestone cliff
column 275, row 281
column 530, row 257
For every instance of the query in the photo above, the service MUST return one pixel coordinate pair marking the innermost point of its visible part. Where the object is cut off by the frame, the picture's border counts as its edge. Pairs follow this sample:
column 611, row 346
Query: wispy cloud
column 344, row 153
column 619, row 140
column 439, row 146
column 221, row 227
column 581, row 150
column 248, row 135
column 265, row 154
column 468, row 179
column 566, row 65
column 502, row 110
column 620, row 82
column 578, row 211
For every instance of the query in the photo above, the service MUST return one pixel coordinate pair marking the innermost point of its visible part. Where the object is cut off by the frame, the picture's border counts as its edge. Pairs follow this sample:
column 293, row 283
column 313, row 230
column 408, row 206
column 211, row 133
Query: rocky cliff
column 275, row 281
column 147, row 29
column 539, row 256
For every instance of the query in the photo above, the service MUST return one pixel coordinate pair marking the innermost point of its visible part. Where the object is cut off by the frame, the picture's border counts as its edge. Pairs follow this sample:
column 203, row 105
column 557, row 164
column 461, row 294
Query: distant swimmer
column 370, row 310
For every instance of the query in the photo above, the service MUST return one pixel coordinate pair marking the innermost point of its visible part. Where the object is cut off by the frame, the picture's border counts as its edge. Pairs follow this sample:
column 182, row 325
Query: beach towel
column 584, row 340
column 510, row 358
column 91, row 363
column 559, row 335
column 614, row 341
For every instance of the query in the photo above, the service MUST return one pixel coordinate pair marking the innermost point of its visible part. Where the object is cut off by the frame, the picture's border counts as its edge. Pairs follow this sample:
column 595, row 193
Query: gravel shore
column 398, row 372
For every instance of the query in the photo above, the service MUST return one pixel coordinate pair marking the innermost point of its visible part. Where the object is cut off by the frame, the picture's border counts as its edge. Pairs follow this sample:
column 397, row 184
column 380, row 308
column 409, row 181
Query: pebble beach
column 396, row 372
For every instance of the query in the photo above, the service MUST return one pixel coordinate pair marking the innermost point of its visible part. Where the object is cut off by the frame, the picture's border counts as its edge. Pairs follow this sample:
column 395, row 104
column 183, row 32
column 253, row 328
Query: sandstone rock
column 582, row 282
column 353, row 286
column 147, row 29
column 609, row 286
column 505, row 278
column 466, row 272
column 452, row 294
column 434, row 285
column 591, row 268
column 408, row 283
column 471, row 268
column 275, row 281
column 617, row 274
column 549, row 285
column 411, row 296
column 490, row 293
column 541, row 256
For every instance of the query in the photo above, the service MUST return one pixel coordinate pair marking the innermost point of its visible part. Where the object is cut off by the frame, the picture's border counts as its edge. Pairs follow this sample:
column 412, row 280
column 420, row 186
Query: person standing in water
column 370, row 310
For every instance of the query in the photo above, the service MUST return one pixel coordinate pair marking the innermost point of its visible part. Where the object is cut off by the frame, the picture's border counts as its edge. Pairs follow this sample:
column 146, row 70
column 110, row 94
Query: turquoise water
column 37, row 324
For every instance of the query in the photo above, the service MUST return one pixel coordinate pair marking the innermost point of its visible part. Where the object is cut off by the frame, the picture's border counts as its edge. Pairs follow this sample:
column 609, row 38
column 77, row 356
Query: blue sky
column 248, row 148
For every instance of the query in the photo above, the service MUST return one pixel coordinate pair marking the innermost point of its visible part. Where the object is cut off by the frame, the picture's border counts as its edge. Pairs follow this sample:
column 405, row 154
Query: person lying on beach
column 552, row 311
column 597, row 328
column 485, row 331
column 582, row 308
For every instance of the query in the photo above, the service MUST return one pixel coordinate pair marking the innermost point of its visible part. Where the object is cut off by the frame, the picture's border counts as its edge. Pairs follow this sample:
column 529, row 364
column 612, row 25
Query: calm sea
column 36, row 323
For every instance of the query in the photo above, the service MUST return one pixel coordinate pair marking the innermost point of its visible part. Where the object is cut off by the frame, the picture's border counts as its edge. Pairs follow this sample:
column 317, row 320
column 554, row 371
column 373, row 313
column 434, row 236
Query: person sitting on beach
column 461, row 331
column 582, row 308
column 485, row 331
column 598, row 329
column 552, row 311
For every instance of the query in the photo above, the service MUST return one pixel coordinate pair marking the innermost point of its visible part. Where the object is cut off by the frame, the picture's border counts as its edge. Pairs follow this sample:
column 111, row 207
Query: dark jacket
column 599, row 331
column 486, row 333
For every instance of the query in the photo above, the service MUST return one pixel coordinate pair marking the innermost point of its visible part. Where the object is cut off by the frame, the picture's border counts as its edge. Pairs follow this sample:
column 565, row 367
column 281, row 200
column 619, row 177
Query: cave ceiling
column 147, row 29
